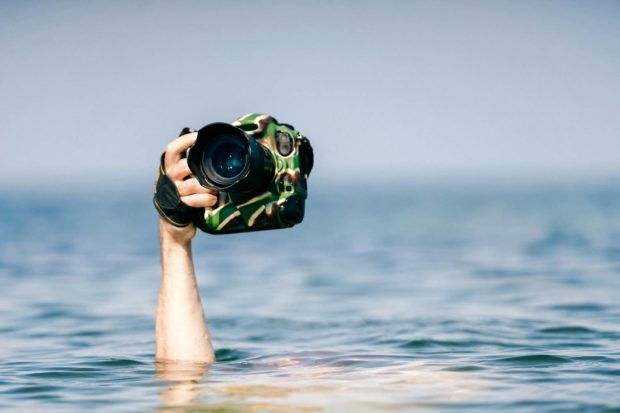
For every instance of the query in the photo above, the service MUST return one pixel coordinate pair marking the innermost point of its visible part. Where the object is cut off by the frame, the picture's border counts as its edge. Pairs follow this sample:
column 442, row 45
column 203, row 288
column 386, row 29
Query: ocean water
column 430, row 299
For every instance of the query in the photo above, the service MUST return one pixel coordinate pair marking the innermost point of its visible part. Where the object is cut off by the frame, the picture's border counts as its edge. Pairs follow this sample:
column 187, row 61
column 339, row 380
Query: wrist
column 171, row 235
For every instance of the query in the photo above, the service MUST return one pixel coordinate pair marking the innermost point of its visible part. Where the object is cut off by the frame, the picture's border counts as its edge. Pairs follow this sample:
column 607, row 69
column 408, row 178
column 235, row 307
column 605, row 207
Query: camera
column 259, row 167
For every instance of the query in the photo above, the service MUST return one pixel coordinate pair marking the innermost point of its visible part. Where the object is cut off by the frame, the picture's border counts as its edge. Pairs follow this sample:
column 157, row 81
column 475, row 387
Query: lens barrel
column 224, row 158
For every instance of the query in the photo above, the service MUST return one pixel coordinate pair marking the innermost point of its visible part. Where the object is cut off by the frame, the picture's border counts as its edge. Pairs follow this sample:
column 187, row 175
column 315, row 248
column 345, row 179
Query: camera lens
column 226, row 158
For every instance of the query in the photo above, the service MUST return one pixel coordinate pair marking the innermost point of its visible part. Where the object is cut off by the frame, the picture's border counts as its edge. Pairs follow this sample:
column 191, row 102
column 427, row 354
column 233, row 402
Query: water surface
column 422, row 299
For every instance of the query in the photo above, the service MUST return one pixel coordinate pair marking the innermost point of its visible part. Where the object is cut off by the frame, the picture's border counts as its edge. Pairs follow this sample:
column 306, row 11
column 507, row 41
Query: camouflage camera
column 259, row 167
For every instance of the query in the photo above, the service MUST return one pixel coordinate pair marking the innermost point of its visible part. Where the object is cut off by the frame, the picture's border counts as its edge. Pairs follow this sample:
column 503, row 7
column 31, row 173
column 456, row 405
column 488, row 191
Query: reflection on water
column 290, row 386
column 185, row 382
column 433, row 299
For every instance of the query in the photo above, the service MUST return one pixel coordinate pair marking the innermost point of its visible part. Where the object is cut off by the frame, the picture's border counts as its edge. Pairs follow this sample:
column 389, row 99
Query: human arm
column 181, row 330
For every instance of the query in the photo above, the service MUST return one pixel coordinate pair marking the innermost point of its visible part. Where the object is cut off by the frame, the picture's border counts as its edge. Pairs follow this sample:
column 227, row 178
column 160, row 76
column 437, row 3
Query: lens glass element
column 225, row 159
column 228, row 159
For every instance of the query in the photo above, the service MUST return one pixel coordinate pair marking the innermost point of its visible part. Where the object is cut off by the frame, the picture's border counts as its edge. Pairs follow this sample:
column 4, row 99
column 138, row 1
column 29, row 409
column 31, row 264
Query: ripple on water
column 429, row 343
column 446, row 345
column 89, row 333
column 117, row 362
column 67, row 373
column 534, row 360
column 607, row 372
column 594, row 359
column 466, row 368
column 567, row 330
column 34, row 389
column 580, row 307
column 228, row 354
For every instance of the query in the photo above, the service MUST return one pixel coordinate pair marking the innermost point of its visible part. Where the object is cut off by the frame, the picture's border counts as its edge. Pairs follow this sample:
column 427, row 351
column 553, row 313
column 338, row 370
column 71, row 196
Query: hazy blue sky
column 414, row 89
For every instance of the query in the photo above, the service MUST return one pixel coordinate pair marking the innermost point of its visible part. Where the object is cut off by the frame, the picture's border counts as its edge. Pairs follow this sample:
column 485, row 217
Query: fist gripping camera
column 259, row 167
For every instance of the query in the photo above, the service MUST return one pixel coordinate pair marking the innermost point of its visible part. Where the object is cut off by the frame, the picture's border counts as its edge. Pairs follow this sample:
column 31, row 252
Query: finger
column 200, row 200
column 179, row 170
column 191, row 186
column 176, row 147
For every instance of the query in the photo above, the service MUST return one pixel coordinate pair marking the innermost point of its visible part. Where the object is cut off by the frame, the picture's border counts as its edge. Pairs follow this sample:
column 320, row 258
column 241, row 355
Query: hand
column 192, row 194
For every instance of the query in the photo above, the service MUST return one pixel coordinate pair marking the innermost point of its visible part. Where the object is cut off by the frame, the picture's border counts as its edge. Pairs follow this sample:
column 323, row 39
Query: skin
column 181, row 329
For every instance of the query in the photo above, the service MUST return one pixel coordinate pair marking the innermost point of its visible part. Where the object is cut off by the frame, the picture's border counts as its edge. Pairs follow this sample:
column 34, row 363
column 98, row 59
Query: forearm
column 181, row 330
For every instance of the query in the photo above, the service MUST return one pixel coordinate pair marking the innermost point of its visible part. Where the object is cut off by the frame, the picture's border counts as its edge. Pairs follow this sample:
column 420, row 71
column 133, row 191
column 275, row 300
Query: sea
column 387, row 298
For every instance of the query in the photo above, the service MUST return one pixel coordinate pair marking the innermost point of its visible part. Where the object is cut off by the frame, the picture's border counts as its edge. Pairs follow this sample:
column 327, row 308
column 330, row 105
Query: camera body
column 260, row 169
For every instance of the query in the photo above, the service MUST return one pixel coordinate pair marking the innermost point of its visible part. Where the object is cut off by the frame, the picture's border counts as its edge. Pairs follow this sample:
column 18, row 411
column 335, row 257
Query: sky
column 386, row 91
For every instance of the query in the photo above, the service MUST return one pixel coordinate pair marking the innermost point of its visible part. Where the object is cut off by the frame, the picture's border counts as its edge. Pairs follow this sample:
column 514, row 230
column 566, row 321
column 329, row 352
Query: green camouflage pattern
column 261, row 211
